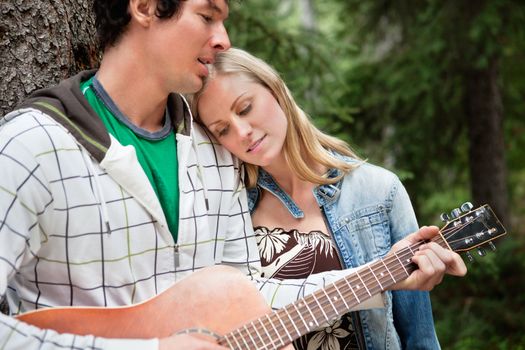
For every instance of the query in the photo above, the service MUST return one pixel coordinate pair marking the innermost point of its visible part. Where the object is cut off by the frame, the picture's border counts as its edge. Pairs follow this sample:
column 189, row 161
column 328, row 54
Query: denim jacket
column 367, row 212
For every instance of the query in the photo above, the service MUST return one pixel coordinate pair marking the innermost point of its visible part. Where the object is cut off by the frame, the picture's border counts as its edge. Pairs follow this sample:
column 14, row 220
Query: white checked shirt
column 55, row 246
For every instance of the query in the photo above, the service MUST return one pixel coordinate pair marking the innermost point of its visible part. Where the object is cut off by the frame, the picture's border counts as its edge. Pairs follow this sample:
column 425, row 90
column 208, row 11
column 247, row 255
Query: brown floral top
column 293, row 254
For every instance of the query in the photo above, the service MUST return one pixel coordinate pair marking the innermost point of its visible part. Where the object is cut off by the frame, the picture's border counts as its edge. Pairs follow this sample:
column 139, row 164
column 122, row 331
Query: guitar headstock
column 468, row 228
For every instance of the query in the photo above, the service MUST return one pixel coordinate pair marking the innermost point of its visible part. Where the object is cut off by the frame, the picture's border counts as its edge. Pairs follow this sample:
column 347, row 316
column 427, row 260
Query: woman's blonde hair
column 304, row 142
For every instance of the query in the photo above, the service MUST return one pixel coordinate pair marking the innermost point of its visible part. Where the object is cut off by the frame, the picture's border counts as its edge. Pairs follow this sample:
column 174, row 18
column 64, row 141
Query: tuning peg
column 481, row 252
column 444, row 217
column 455, row 213
column 492, row 246
column 470, row 257
column 466, row 207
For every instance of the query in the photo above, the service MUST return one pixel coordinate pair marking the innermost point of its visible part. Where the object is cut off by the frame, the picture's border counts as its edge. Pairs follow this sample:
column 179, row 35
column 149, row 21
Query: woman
column 315, row 205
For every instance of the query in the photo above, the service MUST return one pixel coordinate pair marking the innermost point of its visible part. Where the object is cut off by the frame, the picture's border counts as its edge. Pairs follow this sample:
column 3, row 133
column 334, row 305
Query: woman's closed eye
column 223, row 131
column 245, row 110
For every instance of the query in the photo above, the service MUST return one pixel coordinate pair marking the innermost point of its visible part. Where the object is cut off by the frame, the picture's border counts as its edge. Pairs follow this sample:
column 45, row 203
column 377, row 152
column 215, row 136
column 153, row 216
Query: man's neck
column 136, row 93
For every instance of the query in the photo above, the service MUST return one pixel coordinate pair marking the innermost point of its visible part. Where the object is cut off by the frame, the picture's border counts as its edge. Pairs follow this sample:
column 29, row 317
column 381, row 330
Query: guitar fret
column 342, row 297
column 311, row 313
column 235, row 338
column 301, row 316
column 257, row 332
column 290, row 338
column 386, row 267
column 227, row 338
column 276, row 332
column 402, row 265
column 364, row 285
column 352, row 290
column 249, row 335
column 266, row 332
column 376, row 278
column 330, row 301
column 293, row 321
column 243, row 338
column 321, row 308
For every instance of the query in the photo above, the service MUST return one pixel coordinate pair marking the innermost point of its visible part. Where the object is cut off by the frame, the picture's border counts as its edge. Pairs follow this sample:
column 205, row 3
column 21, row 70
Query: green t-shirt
column 154, row 150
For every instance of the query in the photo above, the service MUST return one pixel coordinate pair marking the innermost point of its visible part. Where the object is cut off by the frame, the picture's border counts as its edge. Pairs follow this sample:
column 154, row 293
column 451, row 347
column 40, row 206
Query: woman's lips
column 256, row 144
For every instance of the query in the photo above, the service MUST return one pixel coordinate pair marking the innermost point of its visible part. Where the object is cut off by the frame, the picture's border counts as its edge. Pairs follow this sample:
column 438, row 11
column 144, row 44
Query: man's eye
column 207, row 18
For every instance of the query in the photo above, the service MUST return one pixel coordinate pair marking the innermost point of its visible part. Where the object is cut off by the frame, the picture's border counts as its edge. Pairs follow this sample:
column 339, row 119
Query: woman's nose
column 244, row 128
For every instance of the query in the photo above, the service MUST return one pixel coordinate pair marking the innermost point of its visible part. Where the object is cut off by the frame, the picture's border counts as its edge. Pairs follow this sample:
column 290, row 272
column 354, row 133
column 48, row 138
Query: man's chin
column 194, row 87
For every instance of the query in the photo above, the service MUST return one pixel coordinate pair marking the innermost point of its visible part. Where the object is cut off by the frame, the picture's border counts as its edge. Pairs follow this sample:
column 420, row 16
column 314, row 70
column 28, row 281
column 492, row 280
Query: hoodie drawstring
column 99, row 194
column 199, row 165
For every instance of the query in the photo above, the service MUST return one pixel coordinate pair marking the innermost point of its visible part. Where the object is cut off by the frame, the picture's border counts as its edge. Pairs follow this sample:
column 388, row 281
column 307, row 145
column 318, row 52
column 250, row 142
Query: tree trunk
column 307, row 14
column 488, row 170
column 42, row 42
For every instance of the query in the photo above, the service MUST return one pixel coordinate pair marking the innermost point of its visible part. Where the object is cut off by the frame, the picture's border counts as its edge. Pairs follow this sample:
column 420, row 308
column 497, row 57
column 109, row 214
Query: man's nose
column 220, row 40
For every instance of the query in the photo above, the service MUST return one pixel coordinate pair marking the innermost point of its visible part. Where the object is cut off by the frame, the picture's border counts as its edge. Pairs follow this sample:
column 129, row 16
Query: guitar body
column 219, row 299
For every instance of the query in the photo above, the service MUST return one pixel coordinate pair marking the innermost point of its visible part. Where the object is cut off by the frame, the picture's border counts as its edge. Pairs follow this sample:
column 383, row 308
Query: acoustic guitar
column 220, row 301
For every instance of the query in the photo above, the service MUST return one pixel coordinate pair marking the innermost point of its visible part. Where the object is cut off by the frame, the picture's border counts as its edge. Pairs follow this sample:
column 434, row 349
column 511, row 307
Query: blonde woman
column 315, row 205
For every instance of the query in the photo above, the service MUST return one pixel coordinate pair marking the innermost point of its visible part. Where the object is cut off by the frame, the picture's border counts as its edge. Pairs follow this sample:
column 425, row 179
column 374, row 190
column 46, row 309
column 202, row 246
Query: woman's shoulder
column 372, row 179
column 365, row 169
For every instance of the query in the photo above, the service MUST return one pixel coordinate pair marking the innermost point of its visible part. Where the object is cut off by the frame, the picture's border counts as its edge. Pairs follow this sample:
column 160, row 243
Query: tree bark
column 41, row 43
column 484, row 109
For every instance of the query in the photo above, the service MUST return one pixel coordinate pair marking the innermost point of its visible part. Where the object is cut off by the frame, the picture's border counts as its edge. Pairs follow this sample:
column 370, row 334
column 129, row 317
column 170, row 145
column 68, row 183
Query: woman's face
column 245, row 117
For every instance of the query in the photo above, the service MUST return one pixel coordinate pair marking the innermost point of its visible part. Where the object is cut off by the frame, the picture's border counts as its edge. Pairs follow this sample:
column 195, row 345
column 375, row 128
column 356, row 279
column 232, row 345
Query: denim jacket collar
column 324, row 194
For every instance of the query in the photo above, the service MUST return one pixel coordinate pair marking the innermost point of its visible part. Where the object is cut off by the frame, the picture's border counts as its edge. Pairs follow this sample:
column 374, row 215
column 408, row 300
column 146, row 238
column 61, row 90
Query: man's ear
column 143, row 11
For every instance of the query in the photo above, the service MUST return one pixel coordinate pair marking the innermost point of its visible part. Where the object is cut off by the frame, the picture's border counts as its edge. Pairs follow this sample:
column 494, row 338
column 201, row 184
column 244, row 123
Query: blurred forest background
column 433, row 90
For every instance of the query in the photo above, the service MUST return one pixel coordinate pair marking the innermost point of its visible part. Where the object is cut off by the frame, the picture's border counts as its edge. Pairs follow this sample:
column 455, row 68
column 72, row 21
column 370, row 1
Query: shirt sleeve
column 19, row 335
column 408, row 305
column 25, row 198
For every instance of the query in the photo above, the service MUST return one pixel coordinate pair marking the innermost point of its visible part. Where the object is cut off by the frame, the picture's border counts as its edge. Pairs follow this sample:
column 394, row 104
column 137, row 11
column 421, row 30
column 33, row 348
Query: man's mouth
column 205, row 60
column 205, row 68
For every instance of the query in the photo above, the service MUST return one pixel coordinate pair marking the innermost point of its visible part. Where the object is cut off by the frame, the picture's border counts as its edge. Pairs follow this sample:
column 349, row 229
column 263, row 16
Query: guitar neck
column 301, row 317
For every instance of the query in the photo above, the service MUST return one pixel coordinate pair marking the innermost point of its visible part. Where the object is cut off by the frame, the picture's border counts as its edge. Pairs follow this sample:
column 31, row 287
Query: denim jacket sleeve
column 412, row 310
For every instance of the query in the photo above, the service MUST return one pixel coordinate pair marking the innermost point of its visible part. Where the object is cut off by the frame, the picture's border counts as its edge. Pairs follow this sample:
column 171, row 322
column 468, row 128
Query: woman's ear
column 143, row 11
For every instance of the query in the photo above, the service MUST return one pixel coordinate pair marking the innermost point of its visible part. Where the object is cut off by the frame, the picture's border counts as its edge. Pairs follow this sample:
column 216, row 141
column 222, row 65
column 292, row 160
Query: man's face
column 181, row 46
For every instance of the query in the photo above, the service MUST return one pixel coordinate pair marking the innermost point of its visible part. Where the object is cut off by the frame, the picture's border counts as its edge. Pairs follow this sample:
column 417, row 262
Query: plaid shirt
column 75, row 231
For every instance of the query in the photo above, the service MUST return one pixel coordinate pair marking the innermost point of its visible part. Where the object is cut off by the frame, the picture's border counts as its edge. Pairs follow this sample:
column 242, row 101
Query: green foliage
column 267, row 30
column 481, row 311
column 388, row 77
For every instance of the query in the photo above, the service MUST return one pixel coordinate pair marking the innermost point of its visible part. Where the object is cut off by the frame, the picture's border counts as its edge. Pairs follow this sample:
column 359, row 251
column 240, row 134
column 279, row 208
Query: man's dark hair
column 112, row 17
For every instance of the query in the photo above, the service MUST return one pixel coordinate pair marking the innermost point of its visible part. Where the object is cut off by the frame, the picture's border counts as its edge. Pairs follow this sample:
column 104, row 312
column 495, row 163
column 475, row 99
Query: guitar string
column 365, row 277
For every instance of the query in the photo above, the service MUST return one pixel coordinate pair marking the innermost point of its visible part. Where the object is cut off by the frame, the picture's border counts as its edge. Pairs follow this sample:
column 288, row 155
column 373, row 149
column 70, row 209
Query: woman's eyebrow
column 232, row 107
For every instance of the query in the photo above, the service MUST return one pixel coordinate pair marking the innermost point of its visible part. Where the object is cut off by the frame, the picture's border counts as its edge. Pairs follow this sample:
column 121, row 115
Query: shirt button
column 347, row 220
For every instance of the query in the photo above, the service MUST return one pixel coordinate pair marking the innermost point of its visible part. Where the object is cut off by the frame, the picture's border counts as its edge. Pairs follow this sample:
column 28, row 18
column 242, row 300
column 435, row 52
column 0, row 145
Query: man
column 109, row 194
